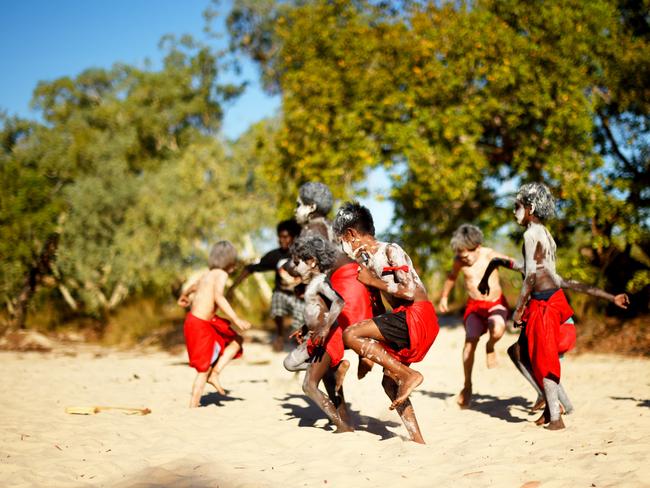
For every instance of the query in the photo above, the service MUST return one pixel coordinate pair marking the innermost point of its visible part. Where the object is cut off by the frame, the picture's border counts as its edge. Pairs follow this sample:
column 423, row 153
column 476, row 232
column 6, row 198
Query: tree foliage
column 464, row 101
column 123, row 185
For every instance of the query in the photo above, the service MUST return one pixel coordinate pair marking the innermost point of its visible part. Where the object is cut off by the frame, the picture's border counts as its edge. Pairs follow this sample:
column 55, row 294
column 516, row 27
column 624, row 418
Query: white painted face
column 468, row 256
column 306, row 270
column 346, row 247
column 520, row 212
column 303, row 211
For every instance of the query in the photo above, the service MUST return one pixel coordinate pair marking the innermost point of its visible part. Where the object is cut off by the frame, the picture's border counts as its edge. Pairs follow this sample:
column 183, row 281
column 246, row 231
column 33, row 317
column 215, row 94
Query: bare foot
column 344, row 365
column 540, row 404
column 343, row 429
column 195, row 402
column 214, row 381
column 545, row 418
column 405, row 387
column 555, row 424
column 365, row 365
column 491, row 359
column 465, row 397
column 278, row 344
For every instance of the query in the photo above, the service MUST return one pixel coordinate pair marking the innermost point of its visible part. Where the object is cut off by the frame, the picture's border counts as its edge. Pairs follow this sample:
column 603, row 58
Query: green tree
column 463, row 102
column 123, row 185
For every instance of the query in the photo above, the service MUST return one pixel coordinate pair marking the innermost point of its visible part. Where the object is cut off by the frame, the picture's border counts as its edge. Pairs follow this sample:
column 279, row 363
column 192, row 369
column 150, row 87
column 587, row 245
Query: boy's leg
column 405, row 410
column 315, row 373
column 553, row 404
column 469, row 349
column 474, row 328
column 278, row 342
column 197, row 388
column 496, row 327
column 227, row 354
column 330, row 381
column 519, row 356
column 362, row 338
column 297, row 359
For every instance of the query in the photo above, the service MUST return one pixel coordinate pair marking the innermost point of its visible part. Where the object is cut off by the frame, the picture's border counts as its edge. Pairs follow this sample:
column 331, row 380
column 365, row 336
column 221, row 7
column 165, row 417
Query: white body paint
column 536, row 234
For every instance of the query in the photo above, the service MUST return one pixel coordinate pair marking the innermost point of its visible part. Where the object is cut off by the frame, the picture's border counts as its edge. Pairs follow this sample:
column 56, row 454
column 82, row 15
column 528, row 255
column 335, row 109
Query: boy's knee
column 289, row 364
column 349, row 336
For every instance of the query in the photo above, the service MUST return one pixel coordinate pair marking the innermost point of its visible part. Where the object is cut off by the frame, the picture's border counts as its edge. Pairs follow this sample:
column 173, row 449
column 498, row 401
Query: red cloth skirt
column 423, row 327
column 545, row 327
column 201, row 336
column 482, row 307
column 358, row 306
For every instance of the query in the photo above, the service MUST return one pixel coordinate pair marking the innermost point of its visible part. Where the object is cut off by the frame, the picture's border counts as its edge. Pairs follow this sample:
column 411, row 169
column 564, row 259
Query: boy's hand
column 516, row 318
column 443, row 306
column 366, row 276
column 297, row 336
column 184, row 301
column 243, row 324
column 318, row 336
column 483, row 287
column 622, row 300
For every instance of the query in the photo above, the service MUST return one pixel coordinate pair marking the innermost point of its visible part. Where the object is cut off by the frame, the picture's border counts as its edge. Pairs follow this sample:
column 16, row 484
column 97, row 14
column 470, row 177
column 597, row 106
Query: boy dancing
column 482, row 314
column 398, row 338
column 208, row 336
column 323, row 351
column 542, row 306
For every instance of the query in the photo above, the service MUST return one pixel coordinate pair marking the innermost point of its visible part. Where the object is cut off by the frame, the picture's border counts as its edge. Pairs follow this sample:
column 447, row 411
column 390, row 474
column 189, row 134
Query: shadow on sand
column 308, row 416
column 500, row 407
column 215, row 398
column 639, row 402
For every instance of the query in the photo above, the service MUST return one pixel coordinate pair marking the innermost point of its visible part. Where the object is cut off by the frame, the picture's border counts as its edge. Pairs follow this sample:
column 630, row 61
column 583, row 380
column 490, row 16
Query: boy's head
column 533, row 199
column 353, row 222
column 314, row 200
column 466, row 242
column 223, row 255
column 312, row 255
column 288, row 230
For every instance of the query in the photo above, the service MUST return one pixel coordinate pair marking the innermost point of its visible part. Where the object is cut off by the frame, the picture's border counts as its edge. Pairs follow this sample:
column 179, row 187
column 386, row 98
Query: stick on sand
column 96, row 409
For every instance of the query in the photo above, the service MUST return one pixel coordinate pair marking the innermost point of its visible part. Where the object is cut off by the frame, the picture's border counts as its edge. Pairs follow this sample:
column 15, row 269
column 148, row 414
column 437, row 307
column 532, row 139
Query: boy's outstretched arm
column 498, row 261
column 240, row 325
column 621, row 300
column 449, row 285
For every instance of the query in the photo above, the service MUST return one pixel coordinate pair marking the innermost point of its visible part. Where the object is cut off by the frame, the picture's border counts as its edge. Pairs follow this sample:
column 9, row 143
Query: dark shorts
column 395, row 330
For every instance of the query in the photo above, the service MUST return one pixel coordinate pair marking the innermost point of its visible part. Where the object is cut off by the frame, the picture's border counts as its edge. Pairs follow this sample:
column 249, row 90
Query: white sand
column 267, row 434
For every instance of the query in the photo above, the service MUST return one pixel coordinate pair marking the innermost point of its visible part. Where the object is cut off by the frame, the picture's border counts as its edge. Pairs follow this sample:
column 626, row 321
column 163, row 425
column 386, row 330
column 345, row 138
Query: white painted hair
column 538, row 197
column 318, row 194
column 466, row 237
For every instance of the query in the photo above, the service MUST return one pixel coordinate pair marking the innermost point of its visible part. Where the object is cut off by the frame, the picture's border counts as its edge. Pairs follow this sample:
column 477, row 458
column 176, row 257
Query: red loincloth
column 201, row 336
column 567, row 337
column 358, row 300
column 544, row 323
column 423, row 328
column 333, row 345
column 482, row 307
column 358, row 306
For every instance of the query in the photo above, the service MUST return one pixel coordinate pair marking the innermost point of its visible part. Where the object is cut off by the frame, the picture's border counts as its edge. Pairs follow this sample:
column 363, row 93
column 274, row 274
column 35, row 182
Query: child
column 542, row 305
column 284, row 301
column 207, row 335
column 518, row 352
column 323, row 351
column 482, row 314
column 398, row 338
column 312, row 206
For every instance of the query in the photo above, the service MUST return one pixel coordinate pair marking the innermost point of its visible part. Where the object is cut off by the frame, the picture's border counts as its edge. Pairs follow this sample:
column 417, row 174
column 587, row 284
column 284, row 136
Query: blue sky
column 44, row 40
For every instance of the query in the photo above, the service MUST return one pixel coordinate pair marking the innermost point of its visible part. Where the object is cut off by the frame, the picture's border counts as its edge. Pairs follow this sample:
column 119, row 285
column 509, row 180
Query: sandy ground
column 267, row 434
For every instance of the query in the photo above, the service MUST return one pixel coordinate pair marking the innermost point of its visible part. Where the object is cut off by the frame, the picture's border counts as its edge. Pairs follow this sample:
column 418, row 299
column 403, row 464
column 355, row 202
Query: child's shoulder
column 215, row 274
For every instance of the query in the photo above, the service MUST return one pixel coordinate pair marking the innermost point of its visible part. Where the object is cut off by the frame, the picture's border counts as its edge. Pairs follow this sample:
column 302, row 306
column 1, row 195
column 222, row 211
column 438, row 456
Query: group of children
column 335, row 279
